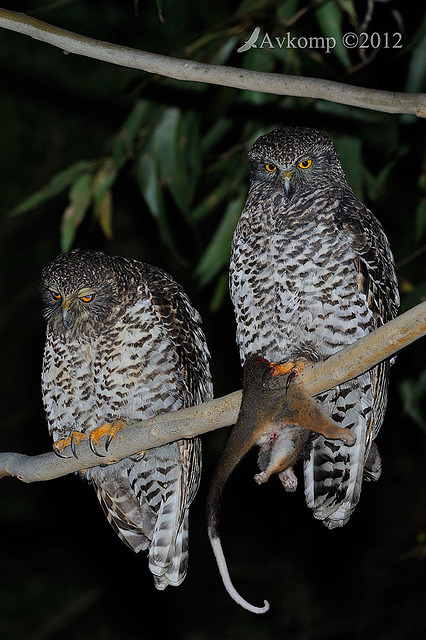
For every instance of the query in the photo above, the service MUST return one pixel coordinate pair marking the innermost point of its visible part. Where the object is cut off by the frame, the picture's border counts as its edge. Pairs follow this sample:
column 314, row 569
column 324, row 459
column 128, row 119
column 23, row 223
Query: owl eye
column 305, row 164
column 88, row 298
column 270, row 167
column 55, row 295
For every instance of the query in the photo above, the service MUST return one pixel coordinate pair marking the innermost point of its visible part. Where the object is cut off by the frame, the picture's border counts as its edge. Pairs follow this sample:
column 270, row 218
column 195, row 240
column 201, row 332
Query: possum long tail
column 223, row 569
column 224, row 469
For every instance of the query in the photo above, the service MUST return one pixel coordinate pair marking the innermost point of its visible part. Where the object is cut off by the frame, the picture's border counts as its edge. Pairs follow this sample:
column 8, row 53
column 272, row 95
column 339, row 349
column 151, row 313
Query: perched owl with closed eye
column 312, row 271
column 123, row 341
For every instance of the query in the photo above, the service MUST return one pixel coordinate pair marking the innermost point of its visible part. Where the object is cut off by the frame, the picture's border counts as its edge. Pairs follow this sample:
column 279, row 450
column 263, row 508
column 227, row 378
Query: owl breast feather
column 295, row 290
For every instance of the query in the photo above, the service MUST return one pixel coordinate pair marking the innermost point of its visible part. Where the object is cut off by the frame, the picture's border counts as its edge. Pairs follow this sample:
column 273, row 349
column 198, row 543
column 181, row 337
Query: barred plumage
column 133, row 349
column 311, row 271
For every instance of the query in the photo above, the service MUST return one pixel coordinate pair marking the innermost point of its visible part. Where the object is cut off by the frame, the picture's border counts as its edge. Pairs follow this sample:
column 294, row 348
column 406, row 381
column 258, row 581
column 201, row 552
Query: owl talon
column 104, row 430
column 73, row 440
column 94, row 450
column 113, row 432
column 76, row 438
column 293, row 369
column 59, row 446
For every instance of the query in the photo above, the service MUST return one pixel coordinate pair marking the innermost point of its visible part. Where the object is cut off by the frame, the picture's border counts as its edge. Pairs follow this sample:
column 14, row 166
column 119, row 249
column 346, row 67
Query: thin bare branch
column 221, row 412
column 189, row 70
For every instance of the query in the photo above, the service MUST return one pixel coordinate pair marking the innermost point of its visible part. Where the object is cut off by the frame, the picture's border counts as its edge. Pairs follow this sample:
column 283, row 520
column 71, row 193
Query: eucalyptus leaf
column 375, row 184
column 217, row 253
column 349, row 150
column 104, row 214
column 148, row 180
column 164, row 143
column 412, row 393
column 80, row 198
column 211, row 201
column 56, row 185
column 217, row 132
column 103, row 179
column 420, row 220
column 142, row 117
column 220, row 292
column 416, row 80
column 329, row 17
column 102, row 195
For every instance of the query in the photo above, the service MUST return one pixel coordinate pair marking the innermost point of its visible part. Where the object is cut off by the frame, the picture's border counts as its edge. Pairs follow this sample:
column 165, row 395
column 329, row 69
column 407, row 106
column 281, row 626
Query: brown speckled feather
column 135, row 350
column 311, row 271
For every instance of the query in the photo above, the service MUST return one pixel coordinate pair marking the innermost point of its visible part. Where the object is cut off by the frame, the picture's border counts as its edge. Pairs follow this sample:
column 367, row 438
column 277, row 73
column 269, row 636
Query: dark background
column 64, row 574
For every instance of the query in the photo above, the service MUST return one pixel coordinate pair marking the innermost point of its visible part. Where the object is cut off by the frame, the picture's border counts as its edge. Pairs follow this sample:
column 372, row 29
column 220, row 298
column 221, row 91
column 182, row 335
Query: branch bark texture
column 188, row 70
column 221, row 412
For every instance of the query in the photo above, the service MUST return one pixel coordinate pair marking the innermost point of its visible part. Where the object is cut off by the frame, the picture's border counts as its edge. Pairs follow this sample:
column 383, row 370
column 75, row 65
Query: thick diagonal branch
column 189, row 70
column 221, row 412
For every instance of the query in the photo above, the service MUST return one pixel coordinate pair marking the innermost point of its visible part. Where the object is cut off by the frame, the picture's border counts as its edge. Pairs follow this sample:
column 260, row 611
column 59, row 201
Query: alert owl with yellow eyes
column 311, row 271
column 123, row 341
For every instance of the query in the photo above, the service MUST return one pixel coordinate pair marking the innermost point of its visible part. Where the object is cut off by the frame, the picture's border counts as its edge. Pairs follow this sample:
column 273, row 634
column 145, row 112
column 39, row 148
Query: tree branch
column 189, row 70
column 221, row 412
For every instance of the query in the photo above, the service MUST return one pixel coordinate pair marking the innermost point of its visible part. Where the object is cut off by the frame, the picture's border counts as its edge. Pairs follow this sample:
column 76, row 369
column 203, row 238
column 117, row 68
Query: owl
column 311, row 271
column 123, row 341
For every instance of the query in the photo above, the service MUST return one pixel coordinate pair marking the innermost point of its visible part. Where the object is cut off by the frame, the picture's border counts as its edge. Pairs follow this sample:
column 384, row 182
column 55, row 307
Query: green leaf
column 142, row 115
column 420, row 219
column 417, row 69
column 102, row 195
column 164, row 152
column 220, row 292
column 57, row 184
column 214, row 198
column 218, row 131
column 217, row 253
column 412, row 392
column 188, row 154
column 349, row 7
column 329, row 18
column 176, row 150
column 149, row 184
column 341, row 111
column 249, row 6
column 349, row 150
column 376, row 184
column 224, row 51
column 286, row 10
column 104, row 214
column 80, row 199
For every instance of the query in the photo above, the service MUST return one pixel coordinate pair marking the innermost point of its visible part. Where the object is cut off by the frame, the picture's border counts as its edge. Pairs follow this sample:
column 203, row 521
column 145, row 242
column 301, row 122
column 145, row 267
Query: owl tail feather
column 223, row 569
column 172, row 568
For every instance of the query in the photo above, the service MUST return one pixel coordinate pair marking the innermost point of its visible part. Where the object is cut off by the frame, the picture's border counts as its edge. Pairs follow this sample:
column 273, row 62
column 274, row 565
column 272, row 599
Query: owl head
column 82, row 292
column 294, row 158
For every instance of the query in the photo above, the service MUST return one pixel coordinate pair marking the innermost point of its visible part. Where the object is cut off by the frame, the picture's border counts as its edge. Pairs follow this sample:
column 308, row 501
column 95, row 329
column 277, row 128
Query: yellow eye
column 87, row 298
column 305, row 164
column 270, row 167
column 55, row 295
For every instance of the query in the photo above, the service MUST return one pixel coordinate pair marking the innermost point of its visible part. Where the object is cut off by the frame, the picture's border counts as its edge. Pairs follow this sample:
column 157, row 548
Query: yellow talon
column 77, row 437
column 287, row 367
column 105, row 430
column 60, row 445
column 74, row 439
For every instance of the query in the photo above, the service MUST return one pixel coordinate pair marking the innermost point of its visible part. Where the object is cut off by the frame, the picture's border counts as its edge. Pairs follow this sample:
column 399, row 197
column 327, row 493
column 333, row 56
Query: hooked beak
column 287, row 183
column 66, row 316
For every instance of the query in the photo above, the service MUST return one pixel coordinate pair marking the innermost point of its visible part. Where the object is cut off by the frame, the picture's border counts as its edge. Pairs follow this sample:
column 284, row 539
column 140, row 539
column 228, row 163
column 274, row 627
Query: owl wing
column 146, row 499
column 170, row 540
column 377, row 282
column 334, row 472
